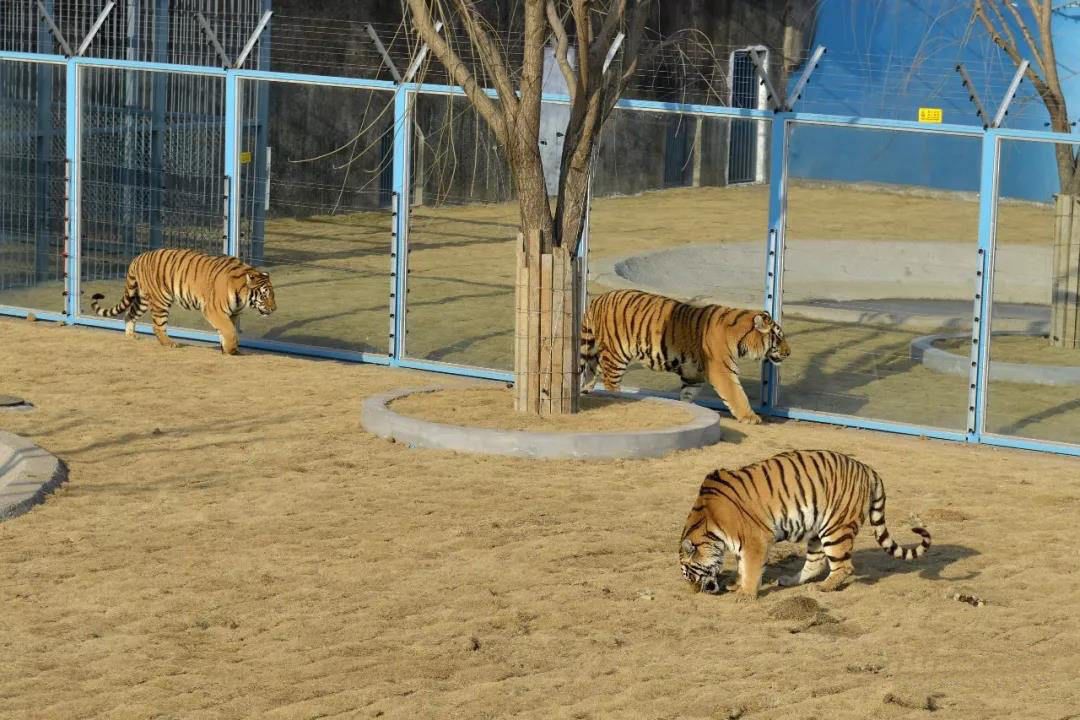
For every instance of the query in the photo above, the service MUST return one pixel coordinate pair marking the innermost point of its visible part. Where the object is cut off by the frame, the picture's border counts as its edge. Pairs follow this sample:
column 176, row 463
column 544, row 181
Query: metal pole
column 399, row 252
column 43, row 151
column 158, row 100
column 232, row 158
column 984, row 287
column 819, row 51
column 72, row 155
column 1003, row 109
column 260, row 157
column 774, row 247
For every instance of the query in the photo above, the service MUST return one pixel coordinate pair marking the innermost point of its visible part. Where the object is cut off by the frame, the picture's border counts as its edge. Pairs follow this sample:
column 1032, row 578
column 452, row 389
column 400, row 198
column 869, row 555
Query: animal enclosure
column 385, row 215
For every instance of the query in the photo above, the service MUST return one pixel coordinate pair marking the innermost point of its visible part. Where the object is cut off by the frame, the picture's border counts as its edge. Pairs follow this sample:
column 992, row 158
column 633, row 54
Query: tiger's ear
column 763, row 323
column 688, row 547
column 254, row 276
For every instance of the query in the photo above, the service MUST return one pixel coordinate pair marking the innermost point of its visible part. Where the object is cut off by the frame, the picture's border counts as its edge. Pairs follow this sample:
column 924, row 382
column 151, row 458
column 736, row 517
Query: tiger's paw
column 833, row 582
column 743, row 597
column 751, row 419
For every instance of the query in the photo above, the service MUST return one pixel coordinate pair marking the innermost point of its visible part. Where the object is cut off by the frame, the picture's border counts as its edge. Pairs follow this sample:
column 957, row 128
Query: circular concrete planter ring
column 377, row 418
column 948, row 363
column 27, row 474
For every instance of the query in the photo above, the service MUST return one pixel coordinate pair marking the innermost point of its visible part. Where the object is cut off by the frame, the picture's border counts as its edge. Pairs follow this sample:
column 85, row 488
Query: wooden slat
column 1072, row 307
column 521, row 326
column 572, row 320
column 546, row 283
column 533, row 371
column 558, row 333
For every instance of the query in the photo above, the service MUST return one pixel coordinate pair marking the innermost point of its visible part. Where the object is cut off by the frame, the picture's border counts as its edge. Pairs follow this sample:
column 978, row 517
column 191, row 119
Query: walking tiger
column 697, row 342
column 219, row 285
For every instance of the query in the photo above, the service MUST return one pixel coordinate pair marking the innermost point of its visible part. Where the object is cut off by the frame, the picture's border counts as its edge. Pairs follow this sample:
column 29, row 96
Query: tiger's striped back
column 819, row 496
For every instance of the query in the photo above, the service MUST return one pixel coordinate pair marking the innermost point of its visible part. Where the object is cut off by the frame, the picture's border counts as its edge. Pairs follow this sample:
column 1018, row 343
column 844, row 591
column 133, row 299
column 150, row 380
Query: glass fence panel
column 680, row 208
column 463, row 222
column 32, row 203
column 316, row 211
column 1033, row 389
column 879, row 269
column 152, row 163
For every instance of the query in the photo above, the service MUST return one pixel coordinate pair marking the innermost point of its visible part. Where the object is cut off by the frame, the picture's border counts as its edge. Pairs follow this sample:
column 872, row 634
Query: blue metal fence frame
column 780, row 124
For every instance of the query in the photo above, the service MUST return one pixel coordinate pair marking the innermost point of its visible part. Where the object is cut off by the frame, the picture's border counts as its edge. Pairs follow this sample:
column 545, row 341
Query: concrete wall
column 887, row 59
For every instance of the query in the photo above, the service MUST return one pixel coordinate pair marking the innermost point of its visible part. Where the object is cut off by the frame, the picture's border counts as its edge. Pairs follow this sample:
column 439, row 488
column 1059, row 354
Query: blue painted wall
column 888, row 58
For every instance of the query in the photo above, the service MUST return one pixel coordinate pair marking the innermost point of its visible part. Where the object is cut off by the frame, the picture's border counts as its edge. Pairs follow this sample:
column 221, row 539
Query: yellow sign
column 245, row 156
column 930, row 115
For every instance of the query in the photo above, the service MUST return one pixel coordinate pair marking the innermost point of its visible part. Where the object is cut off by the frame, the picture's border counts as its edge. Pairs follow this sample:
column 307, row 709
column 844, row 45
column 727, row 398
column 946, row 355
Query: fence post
column 43, row 263
column 399, row 250
column 774, row 248
column 159, row 89
column 72, row 95
column 984, row 287
column 232, row 167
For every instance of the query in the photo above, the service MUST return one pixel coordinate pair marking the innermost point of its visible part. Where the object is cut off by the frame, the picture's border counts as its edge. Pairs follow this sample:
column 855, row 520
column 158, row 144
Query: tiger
column 697, row 342
column 819, row 496
column 219, row 285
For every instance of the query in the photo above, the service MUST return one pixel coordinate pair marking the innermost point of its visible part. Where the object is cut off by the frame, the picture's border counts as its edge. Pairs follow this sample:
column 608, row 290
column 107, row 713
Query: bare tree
column 549, row 277
column 1007, row 23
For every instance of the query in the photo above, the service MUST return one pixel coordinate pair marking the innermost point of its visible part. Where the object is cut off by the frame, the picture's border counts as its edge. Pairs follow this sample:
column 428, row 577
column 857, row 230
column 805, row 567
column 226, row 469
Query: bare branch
column 1026, row 32
column 562, row 48
column 491, row 56
column 425, row 27
column 1010, row 48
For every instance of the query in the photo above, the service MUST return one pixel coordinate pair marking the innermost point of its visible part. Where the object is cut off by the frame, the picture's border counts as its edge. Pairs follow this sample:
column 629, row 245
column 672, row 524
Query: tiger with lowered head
column 218, row 285
column 697, row 342
column 819, row 496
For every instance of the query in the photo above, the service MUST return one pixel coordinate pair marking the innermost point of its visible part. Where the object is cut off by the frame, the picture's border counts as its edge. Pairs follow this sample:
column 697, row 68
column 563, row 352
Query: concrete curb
column 943, row 361
column 14, row 404
column 379, row 419
column 27, row 474
column 837, row 281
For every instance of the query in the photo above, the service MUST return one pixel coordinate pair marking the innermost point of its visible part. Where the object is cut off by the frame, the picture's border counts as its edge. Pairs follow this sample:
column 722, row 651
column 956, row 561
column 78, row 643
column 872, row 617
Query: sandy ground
column 332, row 278
column 493, row 407
column 231, row 544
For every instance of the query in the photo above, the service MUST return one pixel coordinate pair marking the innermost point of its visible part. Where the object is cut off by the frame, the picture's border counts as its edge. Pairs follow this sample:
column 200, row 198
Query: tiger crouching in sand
column 219, row 285
column 697, row 342
column 815, row 495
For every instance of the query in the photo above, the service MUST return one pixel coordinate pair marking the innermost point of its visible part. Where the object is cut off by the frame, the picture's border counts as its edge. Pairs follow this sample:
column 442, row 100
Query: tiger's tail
column 589, row 352
column 881, row 533
column 131, row 292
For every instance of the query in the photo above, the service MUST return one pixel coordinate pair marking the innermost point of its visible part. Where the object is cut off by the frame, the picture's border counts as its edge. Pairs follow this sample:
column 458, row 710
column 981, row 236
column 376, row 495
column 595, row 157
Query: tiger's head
column 702, row 563
column 261, row 295
column 766, row 340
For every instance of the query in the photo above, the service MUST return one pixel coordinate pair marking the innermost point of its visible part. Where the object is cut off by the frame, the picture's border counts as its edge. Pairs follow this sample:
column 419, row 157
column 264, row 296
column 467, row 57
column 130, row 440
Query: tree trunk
column 547, row 328
column 1065, row 302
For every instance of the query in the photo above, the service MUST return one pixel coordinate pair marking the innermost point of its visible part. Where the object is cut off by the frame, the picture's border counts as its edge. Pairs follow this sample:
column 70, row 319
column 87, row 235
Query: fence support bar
column 72, row 152
column 382, row 52
column 399, row 252
column 415, row 65
column 774, row 248
column 984, row 288
column 85, row 45
column 212, row 37
column 1003, row 109
column 53, row 29
column 796, row 93
column 232, row 164
column 973, row 95
column 254, row 37
column 763, row 73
